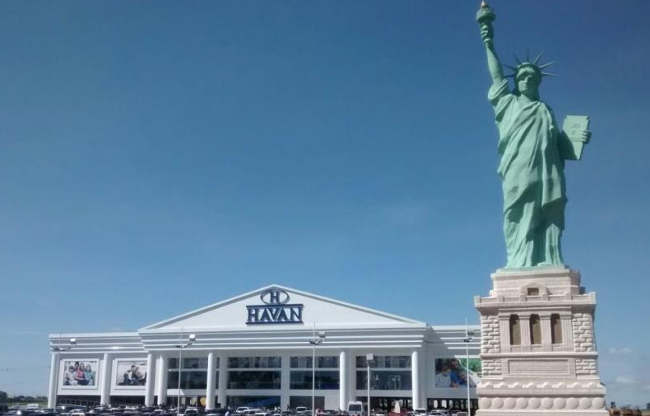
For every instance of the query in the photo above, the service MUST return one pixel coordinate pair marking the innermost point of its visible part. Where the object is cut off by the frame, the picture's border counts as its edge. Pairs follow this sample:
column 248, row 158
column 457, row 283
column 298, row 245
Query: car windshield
column 355, row 407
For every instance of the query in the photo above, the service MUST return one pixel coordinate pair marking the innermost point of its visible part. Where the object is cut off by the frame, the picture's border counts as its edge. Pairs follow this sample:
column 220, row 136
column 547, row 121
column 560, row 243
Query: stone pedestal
column 537, row 345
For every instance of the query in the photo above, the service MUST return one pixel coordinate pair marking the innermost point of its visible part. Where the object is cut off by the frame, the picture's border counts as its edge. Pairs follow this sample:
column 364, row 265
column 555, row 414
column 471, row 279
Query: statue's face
column 528, row 82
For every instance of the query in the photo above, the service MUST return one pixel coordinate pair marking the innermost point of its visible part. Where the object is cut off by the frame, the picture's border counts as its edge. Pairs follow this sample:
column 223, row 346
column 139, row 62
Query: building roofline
column 92, row 335
column 300, row 292
column 453, row 327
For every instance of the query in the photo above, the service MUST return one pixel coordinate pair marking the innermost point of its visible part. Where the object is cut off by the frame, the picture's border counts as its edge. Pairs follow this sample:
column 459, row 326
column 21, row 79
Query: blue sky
column 156, row 157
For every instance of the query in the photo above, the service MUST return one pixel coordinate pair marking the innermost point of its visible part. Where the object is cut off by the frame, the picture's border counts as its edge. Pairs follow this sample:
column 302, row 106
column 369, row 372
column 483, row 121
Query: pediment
column 279, row 307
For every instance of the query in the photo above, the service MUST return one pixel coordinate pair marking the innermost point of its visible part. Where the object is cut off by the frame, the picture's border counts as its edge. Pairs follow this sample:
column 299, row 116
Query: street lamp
column 57, row 349
column 315, row 340
column 181, row 345
column 370, row 358
column 469, row 335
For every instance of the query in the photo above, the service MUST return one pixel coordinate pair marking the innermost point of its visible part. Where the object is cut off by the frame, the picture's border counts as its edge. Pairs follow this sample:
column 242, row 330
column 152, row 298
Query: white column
column 343, row 380
column 212, row 375
column 158, row 380
column 285, row 381
column 524, row 326
column 352, row 376
column 151, row 380
column 105, row 384
column 54, row 378
column 222, row 394
column 567, row 331
column 415, row 378
column 161, row 379
column 424, row 375
column 547, row 338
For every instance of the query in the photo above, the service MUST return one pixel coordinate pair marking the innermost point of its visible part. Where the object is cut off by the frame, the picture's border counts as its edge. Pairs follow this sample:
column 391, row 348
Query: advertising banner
column 80, row 373
column 131, row 373
column 457, row 372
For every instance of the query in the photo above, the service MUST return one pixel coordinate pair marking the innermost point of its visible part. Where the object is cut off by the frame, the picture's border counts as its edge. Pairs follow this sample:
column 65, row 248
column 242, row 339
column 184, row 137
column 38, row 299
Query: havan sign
column 276, row 309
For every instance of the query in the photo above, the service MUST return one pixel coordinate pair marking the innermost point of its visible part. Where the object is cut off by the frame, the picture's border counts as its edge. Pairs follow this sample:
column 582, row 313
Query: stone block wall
column 586, row 367
column 491, row 367
column 490, row 338
column 583, row 332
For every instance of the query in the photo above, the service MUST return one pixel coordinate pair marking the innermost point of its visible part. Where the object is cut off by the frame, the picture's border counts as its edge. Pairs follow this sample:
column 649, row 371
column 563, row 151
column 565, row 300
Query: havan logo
column 276, row 309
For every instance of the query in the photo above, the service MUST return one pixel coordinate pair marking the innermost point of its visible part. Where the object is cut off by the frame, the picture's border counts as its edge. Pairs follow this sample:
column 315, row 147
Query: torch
column 485, row 16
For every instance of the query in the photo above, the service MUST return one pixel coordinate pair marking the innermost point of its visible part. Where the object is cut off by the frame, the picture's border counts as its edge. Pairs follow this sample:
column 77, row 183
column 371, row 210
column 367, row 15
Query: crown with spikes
column 539, row 69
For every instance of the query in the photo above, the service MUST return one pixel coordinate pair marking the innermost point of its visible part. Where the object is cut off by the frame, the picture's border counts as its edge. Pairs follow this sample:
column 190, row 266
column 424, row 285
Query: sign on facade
column 276, row 309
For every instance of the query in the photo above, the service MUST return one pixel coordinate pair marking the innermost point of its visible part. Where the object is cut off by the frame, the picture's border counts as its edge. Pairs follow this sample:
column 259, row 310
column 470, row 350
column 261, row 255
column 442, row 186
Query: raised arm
column 496, row 71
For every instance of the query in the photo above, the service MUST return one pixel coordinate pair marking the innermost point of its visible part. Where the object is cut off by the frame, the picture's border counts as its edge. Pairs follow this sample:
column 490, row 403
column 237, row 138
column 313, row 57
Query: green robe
column 532, row 173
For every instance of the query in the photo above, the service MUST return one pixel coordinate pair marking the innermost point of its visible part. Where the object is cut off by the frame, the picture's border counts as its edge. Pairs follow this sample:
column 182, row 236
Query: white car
column 241, row 410
column 355, row 409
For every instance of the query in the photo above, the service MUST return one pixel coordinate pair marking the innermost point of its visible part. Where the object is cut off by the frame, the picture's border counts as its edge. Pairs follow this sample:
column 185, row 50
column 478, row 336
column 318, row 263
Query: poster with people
column 457, row 372
column 131, row 373
column 80, row 373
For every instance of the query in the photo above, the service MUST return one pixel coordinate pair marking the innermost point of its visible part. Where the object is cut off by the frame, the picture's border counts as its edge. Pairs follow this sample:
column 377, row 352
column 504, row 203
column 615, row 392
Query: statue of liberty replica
column 538, row 350
column 533, row 150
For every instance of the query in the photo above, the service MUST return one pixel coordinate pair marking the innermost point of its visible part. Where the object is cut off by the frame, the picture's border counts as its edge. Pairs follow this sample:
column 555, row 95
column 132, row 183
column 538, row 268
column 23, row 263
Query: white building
column 255, row 349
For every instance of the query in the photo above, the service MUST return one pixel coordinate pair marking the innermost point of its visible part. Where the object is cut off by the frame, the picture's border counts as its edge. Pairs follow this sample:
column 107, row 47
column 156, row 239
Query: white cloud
column 407, row 213
column 21, row 332
column 646, row 387
column 618, row 351
column 625, row 380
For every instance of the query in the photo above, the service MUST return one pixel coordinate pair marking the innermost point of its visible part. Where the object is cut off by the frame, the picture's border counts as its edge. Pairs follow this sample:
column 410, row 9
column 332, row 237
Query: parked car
column 242, row 409
column 17, row 412
column 355, row 409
